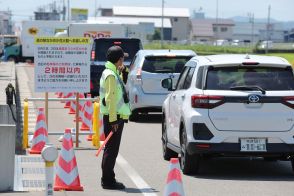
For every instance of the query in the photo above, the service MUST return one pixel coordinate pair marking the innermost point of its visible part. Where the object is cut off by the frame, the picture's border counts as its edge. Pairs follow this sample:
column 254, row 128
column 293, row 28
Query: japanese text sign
column 62, row 64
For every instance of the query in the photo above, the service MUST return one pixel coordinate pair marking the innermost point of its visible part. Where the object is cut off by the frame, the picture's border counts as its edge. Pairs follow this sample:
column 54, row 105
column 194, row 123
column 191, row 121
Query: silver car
column 147, row 70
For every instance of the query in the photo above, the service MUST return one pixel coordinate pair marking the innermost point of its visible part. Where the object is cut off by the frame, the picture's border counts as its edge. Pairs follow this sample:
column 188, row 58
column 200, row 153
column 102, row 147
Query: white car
column 147, row 70
column 227, row 105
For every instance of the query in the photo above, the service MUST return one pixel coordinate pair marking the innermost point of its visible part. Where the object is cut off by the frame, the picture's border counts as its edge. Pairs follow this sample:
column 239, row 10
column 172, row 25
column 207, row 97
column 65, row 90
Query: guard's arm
column 110, row 98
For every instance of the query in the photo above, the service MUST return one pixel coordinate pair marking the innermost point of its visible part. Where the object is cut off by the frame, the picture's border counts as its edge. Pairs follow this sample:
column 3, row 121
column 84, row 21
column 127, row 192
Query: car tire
column 12, row 59
column 167, row 153
column 134, row 116
column 189, row 163
column 292, row 164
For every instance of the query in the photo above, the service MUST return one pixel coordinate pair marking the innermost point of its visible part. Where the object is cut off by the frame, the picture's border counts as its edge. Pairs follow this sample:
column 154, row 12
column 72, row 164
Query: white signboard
column 62, row 64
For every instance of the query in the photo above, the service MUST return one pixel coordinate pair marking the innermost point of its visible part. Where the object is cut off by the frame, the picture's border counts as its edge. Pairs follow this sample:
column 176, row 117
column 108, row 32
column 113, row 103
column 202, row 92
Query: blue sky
column 282, row 10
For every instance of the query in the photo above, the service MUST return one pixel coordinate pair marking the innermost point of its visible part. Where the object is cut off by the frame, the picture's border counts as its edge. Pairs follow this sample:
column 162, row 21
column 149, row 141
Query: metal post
column 25, row 140
column 216, row 20
column 267, row 28
column 68, row 10
column 49, row 154
column 96, row 126
column 46, row 110
column 77, row 119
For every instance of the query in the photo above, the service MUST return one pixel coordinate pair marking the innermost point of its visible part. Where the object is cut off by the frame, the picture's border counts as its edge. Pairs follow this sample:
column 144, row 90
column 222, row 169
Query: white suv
column 226, row 105
column 147, row 70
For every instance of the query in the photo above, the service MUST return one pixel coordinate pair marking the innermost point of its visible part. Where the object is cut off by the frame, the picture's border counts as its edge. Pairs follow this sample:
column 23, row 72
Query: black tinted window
column 130, row 46
column 182, row 78
column 268, row 78
column 165, row 64
column 189, row 77
column 199, row 78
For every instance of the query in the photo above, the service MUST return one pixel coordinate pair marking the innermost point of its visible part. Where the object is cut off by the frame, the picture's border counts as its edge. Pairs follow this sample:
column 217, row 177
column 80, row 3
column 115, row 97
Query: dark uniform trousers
column 111, row 150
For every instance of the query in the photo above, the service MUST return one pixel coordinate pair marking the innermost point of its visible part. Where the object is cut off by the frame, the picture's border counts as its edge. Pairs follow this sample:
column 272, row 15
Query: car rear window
column 268, row 78
column 165, row 64
column 130, row 46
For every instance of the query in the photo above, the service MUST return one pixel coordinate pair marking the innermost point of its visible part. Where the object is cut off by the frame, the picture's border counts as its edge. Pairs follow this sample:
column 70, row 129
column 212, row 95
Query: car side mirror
column 167, row 83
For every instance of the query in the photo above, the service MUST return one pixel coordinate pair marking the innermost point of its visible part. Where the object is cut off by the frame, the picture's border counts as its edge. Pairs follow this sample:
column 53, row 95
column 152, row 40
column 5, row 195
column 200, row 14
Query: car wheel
column 134, row 116
column 167, row 153
column 292, row 164
column 12, row 59
column 189, row 163
column 270, row 159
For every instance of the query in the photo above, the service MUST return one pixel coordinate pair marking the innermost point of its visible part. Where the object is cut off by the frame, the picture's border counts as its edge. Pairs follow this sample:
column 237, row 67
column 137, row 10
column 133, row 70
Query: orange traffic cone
column 67, row 175
column 40, row 137
column 87, row 116
column 174, row 186
column 72, row 109
column 67, row 103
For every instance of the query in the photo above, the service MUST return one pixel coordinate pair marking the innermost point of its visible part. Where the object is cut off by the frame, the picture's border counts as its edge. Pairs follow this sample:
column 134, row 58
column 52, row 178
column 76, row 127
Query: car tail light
column 93, row 55
column 289, row 101
column 250, row 63
column 136, row 99
column 91, row 85
column 138, row 79
column 206, row 101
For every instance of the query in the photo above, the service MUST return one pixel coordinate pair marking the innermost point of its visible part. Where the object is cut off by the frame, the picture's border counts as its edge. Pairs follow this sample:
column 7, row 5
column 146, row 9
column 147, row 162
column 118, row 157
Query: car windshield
column 130, row 46
column 267, row 78
column 165, row 64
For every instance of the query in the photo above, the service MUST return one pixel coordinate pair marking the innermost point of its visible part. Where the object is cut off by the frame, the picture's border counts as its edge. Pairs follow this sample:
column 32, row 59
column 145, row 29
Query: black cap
column 114, row 53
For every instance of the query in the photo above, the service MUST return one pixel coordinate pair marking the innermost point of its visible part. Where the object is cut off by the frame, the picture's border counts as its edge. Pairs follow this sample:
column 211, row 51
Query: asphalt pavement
column 30, row 169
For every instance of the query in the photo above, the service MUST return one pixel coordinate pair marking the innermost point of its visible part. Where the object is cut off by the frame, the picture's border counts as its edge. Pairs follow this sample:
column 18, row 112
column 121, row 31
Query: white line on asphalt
column 138, row 181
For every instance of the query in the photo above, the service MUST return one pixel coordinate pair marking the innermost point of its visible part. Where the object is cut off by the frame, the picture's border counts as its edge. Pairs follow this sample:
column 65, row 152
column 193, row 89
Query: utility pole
column 95, row 12
column 161, row 32
column 251, row 20
column 63, row 11
column 68, row 10
column 268, row 28
column 216, row 35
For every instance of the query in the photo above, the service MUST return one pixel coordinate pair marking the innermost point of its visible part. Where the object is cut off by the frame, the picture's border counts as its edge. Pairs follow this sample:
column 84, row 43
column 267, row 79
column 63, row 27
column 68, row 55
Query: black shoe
column 113, row 186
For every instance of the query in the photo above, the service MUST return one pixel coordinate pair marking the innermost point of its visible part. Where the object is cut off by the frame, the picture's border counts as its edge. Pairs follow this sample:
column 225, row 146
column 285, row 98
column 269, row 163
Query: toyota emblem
column 253, row 98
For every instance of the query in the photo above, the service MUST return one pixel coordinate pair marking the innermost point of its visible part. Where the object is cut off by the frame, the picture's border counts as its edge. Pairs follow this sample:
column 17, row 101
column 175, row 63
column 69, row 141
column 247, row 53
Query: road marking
column 137, row 180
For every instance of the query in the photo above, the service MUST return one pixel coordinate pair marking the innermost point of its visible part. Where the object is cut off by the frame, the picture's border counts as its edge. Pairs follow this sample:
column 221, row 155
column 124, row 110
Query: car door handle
column 183, row 96
column 174, row 96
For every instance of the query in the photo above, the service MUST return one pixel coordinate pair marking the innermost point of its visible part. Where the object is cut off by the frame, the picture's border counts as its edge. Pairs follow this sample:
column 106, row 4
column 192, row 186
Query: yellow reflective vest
column 111, row 94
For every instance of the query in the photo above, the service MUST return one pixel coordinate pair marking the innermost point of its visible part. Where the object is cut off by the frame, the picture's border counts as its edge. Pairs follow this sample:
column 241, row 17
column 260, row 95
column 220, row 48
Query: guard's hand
column 121, row 68
column 114, row 127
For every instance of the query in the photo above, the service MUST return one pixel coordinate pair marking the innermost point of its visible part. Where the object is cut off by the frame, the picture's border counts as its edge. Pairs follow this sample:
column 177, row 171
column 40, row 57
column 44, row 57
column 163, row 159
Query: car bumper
column 234, row 149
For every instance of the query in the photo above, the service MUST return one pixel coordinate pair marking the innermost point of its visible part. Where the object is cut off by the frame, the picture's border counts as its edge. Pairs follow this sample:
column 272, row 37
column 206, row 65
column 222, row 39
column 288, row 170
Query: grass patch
column 288, row 56
column 210, row 50
column 202, row 49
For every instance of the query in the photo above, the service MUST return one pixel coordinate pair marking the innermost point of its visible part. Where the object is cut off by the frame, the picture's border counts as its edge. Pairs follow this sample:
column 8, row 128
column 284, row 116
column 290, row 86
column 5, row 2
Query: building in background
column 6, row 23
column 179, row 18
column 142, row 28
column 246, row 32
column 208, row 30
column 43, row 15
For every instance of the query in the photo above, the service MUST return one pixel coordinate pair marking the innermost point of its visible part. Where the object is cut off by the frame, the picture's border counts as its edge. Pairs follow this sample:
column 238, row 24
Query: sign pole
column 46, row 109
column 77, row 119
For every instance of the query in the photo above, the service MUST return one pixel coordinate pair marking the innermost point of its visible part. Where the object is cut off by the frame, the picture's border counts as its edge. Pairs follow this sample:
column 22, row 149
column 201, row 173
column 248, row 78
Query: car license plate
column 253, row 144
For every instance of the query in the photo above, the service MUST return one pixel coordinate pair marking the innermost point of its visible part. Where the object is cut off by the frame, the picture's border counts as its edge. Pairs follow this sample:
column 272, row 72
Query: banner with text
column 62, row 64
